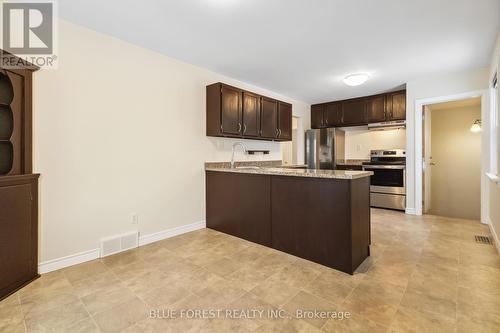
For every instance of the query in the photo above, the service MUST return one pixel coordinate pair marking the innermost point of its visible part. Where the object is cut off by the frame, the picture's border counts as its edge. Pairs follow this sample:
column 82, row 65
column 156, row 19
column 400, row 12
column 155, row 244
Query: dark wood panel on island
column 323, row 220
column 239, row 205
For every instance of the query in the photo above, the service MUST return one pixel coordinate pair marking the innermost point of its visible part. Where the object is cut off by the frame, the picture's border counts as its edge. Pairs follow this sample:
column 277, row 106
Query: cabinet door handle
column 239, row 127
column 277, row 132
column 244, row 128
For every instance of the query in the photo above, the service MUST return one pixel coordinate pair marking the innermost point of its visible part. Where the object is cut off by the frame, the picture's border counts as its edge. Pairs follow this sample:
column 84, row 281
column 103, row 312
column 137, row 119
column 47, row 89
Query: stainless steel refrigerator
column 324, row 147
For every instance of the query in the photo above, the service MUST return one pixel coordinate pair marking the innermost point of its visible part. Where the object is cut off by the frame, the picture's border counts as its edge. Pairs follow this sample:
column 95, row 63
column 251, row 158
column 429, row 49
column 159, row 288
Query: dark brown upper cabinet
column 237, row 113
column 326, row 115
column 317, row 116
column 354, row 112
column 269, row 118
column 231, row 111
column 375, row 109
column 360, row 111
column 396, row 105
column 332, row 115
column 284, row 121
column 251, row 114
column 226, row 110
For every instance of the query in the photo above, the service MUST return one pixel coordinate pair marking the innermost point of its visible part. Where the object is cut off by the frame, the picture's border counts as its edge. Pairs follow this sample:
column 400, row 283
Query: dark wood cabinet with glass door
column 18, row 184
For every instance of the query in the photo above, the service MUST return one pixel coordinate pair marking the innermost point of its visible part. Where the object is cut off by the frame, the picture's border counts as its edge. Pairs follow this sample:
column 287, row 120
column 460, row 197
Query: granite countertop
column 284, row 171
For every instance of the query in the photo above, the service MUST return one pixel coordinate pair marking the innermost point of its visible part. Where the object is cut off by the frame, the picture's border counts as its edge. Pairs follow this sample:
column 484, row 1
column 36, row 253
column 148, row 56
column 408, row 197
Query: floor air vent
column 483, row 240
column 119, row 243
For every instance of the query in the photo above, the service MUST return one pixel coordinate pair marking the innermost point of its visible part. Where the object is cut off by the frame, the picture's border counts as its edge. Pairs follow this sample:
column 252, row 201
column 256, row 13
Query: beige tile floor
column 426, row 274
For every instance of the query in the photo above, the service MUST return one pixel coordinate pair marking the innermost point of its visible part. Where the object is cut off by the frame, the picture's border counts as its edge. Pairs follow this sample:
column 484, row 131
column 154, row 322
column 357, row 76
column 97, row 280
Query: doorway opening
column 289, row 149
column 451, row 156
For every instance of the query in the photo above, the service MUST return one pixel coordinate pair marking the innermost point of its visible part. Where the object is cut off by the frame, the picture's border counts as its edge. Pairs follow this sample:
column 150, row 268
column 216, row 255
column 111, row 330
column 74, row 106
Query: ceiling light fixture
column 356, row 79
column 476, row 126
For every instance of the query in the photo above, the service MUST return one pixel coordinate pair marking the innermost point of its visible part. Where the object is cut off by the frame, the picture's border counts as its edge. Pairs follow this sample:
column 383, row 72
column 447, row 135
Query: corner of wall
column 496, row 240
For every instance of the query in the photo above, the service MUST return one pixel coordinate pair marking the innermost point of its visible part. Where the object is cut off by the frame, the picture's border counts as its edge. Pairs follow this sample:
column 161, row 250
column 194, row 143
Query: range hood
column 387, row 125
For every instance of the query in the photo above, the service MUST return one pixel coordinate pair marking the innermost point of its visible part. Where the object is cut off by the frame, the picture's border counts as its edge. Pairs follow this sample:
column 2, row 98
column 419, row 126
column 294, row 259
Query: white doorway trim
column 417, row 157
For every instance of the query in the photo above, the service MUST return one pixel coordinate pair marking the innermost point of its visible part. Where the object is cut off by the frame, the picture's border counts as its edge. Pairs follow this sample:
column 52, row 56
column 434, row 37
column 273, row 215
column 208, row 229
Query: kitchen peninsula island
column 318, row 215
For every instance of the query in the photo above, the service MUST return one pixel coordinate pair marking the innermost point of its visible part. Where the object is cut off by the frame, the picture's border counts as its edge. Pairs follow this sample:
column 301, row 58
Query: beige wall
column 456, row 152
column 433, row 86
column 118, row 130
column 359, row 141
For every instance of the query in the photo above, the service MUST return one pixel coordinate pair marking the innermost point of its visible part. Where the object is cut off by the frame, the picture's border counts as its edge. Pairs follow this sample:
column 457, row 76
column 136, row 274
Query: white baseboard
column 495, row 236
column 74, row 259
column 410, row 211
column 78, row 258
column 158, row 236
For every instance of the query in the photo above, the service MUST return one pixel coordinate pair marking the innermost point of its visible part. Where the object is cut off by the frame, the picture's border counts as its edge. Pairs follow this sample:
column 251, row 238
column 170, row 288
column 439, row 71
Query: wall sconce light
column 476, row 126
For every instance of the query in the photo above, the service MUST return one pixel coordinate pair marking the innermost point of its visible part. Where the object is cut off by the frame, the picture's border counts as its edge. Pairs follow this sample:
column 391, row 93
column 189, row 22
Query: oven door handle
column 387, row 167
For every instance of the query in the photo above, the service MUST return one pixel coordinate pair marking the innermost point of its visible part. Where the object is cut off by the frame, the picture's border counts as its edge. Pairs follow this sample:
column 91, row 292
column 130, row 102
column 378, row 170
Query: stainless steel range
column 388, row 183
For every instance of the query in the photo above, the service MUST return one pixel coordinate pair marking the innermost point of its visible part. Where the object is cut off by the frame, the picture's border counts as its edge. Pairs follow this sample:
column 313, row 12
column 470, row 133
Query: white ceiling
column 303, row 48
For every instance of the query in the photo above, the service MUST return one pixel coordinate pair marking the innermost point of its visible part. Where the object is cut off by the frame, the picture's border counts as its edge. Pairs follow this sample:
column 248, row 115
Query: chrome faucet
column 234, row 148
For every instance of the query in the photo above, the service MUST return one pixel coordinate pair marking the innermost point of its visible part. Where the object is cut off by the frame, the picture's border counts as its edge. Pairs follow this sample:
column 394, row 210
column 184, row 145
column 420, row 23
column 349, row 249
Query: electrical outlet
column 358, row 147
column 135, row 219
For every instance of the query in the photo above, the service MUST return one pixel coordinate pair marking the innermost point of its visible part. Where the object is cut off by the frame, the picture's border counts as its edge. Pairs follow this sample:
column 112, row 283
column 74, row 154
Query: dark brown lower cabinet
column 239, row 205
column 323, row 220
column 18, row 232
column 349, row 167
